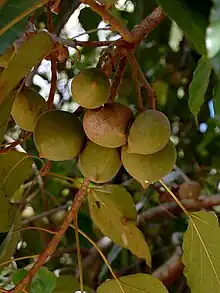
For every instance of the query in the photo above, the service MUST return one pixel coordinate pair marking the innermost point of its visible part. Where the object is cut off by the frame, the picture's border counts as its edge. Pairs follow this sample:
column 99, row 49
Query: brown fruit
column 149, row 168
column 58, row 135
column 27, row 107
column 99, row 164
column 190, row 190
column 90, row 88
column 149, row 133
column 108, row 126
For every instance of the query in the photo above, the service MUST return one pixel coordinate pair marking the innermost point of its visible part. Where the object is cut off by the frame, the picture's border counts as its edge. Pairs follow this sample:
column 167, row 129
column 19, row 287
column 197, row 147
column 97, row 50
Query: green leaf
column 134, row 284
column 43, row 281
column 22, row 62
column 10, row 10
column 69, row 284
column 18, row 276
column 7, row 212
column 113, row 211
column 216, row 103
column 192, row 23
column 89, row 19
column 5, row 110
column 201, row 253
column 15, row 168
column 199, row 86
column 9, row 245
column 212, row 36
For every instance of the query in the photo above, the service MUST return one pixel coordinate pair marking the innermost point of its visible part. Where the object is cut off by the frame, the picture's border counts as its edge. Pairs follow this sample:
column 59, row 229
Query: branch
column 108, row 17
column 171, row 270
column 56, row 239
column 118, row 78
column 140, row 32
column 165, row 210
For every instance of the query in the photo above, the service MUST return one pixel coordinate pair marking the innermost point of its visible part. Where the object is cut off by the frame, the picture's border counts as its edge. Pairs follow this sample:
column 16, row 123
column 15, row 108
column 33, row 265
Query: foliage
column 88, row 151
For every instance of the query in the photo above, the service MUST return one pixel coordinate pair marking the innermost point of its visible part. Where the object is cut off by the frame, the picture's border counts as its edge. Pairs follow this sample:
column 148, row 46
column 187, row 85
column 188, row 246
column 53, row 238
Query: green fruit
column 108, row 126
column 99, row 164
column 27, row 107
column 149, row 133
column 90, row 88
column 58, row 135
column 190, row 190
column 149, row 168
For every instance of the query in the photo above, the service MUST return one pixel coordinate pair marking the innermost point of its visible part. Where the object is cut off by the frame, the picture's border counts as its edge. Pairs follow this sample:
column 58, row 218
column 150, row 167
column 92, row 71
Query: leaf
column 43, row 281
column 134, row 284
column 113, row 211
column 9, row 245
column 39, row 45
column 69, row 284
column 10, row 10
column 7, row 212
column 199, row 86
column 89, row 20
column 216, row 103
column 5, row 110
column 18, row 276
column 212, row 36
column 201, row 253
column 191, row 22
column 16, row 167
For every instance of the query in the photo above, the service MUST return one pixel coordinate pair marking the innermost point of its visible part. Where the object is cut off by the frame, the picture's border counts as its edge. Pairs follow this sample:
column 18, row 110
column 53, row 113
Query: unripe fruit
column 90, row 88
column 108, row 126
column 190, row 190
column 58, row 217
column 99, row 164
column 58, row 135
column 149, row 168
column 27, row 107
column 149, row 133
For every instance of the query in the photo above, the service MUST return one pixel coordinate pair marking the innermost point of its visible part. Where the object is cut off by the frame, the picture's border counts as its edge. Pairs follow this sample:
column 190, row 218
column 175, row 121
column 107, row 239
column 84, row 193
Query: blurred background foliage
column 168, row 59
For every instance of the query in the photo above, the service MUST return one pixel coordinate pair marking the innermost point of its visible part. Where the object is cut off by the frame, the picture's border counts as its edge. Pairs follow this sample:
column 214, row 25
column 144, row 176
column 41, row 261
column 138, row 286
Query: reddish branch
column 118, row 78
column 56, row 239
column 140, row 32
column 108, row 17
column 166, row 210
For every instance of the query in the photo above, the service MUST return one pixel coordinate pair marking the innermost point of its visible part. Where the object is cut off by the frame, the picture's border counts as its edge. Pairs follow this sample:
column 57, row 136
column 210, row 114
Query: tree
column 112, row 174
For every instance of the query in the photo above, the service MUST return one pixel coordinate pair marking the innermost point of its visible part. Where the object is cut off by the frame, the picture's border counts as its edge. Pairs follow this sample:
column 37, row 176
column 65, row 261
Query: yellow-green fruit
column 190, row 190
column 90, row 88
column 27, row 107
column 149, row 168
column 108, row 125
column 99, row 164
column 149, row 133
column 58, row 135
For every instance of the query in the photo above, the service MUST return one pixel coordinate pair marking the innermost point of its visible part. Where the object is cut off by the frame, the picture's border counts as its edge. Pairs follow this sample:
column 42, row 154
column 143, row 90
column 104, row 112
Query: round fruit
column 108, row 126
column 27, row 107
column 90, row 88
column 190, row 190
column 58, row 135
column 99, row 164
column 149, row 168
column 149, row 133
column 58, row 217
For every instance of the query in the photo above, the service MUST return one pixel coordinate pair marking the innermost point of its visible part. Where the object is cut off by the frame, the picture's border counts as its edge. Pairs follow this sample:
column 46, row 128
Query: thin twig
column 56, row 239
column 138, row 89
column 108, row 17
column 150, row 92
column 118, row 79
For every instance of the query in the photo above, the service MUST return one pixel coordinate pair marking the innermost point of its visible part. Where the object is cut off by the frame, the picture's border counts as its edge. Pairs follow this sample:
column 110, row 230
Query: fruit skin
column 108, row 126
column 149, row 133
column 27, row 107
column 90, row 88
column 58, row 135
column 149, row 168
column 190, row 190
column 99, row 164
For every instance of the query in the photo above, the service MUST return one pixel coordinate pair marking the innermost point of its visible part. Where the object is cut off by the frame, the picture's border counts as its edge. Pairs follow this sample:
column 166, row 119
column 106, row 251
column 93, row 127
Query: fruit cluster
column 109, row 137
